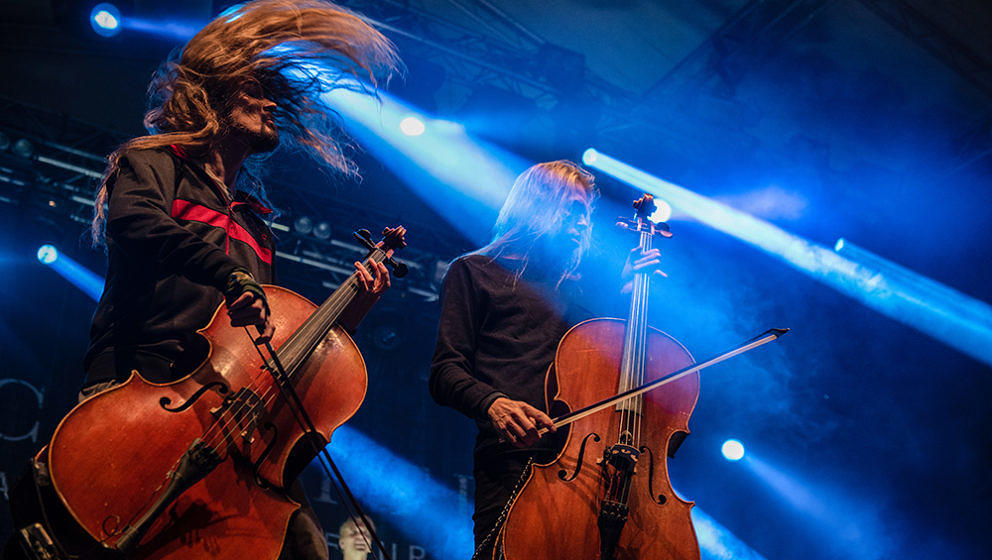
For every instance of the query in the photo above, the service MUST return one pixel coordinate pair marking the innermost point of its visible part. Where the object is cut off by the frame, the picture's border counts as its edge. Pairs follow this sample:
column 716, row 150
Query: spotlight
column 91, row 284
column 589, row 156
column 47, row 254
column 955, row 319
column 662, row 213
column 106, row 20
column 733, row 450
column 322, row 231
column 303, row 225
column 412, row 126
column 24, row 148
column 839, row 245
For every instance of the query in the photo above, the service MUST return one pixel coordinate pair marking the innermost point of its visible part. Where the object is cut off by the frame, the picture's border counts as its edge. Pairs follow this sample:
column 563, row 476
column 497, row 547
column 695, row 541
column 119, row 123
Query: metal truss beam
column 56, row 184
column 509, row 57
column 712, row 71
column 742, row 42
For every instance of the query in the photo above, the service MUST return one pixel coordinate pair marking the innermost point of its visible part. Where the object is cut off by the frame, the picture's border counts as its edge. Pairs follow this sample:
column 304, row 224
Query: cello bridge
column 242, row 413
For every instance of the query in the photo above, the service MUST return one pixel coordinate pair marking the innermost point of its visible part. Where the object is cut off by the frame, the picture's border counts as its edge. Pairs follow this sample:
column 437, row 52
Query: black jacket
column 497, row 336
column 174, row 236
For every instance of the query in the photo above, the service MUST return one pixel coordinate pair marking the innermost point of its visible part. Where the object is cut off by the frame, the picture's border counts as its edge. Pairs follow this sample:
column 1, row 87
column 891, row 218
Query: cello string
column 641, row 294
column 643, row 332
column 260, row 384
column 263, row 385
column 296, row 406
column 637, row 373
column 641, row 355
column 231, row 414
column 313, row 331
column 619, row 483
column 294, row 351
column 627, row 359
column 302, row 342
column 641, row 367
column 637, row 326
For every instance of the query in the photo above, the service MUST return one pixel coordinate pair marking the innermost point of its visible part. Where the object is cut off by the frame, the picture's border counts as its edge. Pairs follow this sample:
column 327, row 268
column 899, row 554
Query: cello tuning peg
column 365, row 238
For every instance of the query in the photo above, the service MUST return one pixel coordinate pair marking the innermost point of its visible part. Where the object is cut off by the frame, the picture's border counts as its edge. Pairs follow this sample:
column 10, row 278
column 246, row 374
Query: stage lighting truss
column 502, row 53
column 55, row 182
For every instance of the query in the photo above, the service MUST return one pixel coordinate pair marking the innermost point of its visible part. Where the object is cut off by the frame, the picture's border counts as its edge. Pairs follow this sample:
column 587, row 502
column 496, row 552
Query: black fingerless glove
column 240, row 281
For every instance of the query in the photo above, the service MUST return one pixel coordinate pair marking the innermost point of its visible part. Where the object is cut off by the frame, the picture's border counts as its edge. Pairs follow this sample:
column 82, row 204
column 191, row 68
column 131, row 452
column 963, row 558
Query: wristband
column 240, row 281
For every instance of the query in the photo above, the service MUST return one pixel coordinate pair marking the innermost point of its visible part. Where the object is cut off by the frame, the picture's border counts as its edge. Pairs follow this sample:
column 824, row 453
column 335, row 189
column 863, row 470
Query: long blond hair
column 295, row 49
column 535, row 207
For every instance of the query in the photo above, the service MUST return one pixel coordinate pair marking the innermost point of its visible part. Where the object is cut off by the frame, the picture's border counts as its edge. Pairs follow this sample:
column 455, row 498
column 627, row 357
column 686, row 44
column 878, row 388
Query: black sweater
column 497, row 336
column 174, row 236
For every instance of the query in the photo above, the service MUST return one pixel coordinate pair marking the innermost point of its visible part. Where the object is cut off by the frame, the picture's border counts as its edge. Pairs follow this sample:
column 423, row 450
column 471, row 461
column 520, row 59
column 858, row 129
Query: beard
column 264, row 141
column 558, row 252
column 259, row 141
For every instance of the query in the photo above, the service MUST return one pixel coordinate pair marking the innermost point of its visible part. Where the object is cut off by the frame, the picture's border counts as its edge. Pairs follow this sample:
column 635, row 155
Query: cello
column 206, row 457
column 607, row 495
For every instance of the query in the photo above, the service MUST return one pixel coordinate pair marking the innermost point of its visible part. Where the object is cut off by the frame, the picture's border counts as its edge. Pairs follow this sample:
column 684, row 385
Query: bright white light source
column 733, row 450
column 412, row 126
column 662, row 213
column 105, row 19
column 589, row 156
column 47, row 254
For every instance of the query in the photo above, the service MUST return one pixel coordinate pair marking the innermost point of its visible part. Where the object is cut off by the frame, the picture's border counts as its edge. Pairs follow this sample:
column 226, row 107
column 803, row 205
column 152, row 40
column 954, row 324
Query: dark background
column 866, row 120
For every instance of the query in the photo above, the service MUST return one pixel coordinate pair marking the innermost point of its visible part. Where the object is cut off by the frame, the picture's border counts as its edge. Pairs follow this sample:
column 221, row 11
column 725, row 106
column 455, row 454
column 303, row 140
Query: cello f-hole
column 165, row 401
column 661, row 499
column 563, row 474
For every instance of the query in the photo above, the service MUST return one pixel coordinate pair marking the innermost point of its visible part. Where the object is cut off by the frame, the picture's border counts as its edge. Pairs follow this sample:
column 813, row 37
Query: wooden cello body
column 198, row 468
column 109, row 456
column 607, row 495
column 559, row 519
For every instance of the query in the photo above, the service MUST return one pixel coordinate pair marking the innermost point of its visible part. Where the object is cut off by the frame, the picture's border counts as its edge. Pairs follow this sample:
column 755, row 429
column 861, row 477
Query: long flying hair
column 536, row 207
column 295, row 49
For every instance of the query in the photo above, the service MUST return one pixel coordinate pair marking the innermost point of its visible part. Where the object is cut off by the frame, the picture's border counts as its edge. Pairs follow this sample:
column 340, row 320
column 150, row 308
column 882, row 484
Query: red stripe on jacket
column 186, row 210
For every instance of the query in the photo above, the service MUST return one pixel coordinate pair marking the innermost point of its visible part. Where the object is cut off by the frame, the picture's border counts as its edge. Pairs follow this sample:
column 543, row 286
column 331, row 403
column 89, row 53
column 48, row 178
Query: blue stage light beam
column 166, row 29
column 893, row 296
column 716, row 542
column 943, row 297
column 841, row 521
column 105, row 19
column 463, row 179
column 90, row 283
column 425, row 510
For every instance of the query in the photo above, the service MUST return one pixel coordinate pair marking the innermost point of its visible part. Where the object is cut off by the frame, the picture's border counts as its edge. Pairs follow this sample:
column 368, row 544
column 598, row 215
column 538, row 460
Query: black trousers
column 496, row 477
